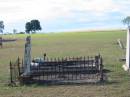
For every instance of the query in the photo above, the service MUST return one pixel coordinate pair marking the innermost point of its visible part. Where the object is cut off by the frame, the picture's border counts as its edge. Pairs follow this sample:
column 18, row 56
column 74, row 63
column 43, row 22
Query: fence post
column 19, row 67
column 1, row 42
column 11, row 75
column 97, row 62
column 101, row 69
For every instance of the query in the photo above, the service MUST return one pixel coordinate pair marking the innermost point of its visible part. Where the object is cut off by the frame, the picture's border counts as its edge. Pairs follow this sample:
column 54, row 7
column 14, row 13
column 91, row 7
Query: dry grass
column 69, row 44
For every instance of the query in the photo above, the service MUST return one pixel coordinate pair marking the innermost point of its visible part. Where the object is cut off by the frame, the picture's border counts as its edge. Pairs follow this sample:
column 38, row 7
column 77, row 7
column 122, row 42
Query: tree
column 1, row 26
column 35, row 24
column 28, row 27
column 127, row 22
column 32, row 26
column 14, row 31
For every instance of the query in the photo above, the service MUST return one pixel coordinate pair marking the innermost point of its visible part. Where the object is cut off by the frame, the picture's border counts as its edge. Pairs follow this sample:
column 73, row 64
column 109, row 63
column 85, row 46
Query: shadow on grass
column 44, row 84
column 72, row 83
column 106, row 71
column 37, row 83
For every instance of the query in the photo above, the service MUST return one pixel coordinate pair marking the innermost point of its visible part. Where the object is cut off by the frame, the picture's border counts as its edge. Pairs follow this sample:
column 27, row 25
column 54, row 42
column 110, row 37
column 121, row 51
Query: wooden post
column 19, row 67
column 1, row 42
column 120, row 44
column 11, row 76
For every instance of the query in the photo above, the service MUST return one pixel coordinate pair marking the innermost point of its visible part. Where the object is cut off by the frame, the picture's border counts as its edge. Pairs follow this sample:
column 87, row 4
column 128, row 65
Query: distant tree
column 126, row 21
column 21, row 33
column 1, row 26
column 28, row 27
column 14, row 31
column 35, row 25
column 32, row 26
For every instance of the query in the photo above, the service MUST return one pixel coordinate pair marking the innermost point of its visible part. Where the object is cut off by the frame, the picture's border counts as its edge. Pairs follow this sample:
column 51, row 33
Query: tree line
column 34, row 25
column 30, row 27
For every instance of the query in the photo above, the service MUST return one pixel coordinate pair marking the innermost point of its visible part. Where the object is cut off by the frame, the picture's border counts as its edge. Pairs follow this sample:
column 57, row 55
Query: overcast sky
column 64, row 15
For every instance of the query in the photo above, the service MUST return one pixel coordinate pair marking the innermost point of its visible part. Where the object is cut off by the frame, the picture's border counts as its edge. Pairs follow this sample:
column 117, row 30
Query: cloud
column 67, row 11
column 52, row 9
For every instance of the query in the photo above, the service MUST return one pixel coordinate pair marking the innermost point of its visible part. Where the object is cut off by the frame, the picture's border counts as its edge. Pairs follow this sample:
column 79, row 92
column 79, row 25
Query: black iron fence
column 60, row 70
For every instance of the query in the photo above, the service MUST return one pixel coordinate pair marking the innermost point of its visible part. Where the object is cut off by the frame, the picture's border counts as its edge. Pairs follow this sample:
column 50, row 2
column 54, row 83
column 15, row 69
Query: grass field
column 69, row 44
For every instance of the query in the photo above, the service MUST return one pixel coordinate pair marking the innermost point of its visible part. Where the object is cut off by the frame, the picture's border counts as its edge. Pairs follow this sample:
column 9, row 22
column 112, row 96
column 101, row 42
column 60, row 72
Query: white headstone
column 127, row 65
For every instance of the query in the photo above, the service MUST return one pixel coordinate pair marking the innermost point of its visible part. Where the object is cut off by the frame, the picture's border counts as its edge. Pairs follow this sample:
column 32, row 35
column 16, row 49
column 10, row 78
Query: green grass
column 69, row 44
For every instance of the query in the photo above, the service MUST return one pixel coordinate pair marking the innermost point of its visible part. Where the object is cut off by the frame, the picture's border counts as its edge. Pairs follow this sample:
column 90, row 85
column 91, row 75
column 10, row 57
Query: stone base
column 125, row 67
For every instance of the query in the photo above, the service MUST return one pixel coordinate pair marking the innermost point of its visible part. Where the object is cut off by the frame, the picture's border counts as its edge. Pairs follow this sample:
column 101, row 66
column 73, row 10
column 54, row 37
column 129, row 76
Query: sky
column 64, row 15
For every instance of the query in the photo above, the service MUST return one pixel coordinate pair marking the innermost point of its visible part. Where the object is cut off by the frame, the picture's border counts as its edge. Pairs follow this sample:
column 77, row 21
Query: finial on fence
column 101, row 69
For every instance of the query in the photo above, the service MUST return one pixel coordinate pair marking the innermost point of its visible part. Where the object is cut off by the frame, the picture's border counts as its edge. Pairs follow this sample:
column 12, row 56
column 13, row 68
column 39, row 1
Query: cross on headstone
column 27, row 56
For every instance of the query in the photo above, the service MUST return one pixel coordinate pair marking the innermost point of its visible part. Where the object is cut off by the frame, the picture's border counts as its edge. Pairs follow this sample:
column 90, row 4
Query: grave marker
column 127, row 64
column 120, row 44
column 27, row 56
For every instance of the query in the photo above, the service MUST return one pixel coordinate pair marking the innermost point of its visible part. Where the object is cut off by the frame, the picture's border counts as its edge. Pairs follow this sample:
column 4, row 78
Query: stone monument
column 126, row 66
column 27, row 56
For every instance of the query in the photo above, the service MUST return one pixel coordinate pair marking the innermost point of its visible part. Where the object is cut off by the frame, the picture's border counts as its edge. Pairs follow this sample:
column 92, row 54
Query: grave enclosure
column 66, row 70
